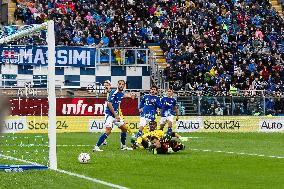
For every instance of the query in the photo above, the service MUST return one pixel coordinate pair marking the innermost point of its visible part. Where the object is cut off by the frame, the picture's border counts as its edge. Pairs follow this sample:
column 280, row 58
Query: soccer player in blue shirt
column 112, row 116
column 169, row 110
column 148, row 107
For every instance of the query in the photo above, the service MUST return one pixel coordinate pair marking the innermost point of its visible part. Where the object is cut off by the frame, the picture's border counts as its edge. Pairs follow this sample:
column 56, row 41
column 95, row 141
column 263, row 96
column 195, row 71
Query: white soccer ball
column 84, row 158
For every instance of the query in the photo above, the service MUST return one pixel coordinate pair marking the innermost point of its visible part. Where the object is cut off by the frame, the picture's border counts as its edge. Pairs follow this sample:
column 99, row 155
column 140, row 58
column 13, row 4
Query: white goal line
column 67, row 172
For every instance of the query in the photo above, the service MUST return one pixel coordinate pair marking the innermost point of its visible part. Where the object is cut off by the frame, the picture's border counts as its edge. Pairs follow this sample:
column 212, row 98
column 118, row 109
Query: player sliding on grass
column 112, row 116
column 144, row 140
column 165, row 145
column 148, row 108
column 169, row 110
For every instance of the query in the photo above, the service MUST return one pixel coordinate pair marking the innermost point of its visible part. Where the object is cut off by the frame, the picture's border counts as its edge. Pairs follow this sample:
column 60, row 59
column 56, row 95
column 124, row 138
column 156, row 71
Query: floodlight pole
column 51, row 95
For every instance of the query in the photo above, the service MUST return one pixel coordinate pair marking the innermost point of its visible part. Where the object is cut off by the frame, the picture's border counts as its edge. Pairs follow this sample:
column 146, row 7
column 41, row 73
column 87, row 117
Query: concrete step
column 161, row 60
column 11, row 10
column 154, row 48
column 278, row 8
column 158, row 53
column 163, row 66
column 274, row 2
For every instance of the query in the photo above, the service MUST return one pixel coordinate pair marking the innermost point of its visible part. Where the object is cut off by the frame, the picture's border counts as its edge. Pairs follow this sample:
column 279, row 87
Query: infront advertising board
column 69, row 106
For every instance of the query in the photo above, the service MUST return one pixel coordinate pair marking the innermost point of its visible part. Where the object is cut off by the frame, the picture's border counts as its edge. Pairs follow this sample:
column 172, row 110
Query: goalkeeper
column 144, row 141
column 165, row 145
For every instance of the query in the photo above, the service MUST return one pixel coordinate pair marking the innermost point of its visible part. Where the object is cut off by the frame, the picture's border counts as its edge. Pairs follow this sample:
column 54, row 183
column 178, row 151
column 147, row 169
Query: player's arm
column 130, row 95
column 141, row 104
column 176, row 111
column 146, row 135
column 160, row 103
column 183, row 139
column 110, row 106
column 159, row 106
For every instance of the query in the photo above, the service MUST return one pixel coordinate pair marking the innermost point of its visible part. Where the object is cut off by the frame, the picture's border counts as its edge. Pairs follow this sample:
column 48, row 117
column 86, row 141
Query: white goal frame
column 49, row 25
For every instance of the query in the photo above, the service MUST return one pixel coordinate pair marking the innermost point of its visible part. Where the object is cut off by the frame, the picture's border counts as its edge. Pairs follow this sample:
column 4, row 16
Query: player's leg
column 163, row 123
column 123, row 134
column 170, row 120
column 142, row 124
column 176, row 146
column 108, row 125
column 129, row 130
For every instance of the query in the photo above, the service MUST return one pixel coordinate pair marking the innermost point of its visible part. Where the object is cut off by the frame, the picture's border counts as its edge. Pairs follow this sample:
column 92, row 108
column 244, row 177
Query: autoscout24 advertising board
column 39, row 124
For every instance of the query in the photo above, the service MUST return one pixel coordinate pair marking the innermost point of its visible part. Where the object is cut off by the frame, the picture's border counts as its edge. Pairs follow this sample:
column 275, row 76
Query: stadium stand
column 207, row 44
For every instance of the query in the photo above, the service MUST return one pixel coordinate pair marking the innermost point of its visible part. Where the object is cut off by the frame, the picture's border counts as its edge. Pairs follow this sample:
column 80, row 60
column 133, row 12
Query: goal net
column 30, row 92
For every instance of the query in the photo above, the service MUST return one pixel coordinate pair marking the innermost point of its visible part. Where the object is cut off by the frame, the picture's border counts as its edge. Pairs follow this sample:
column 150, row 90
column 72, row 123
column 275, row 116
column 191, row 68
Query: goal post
column 51, row 95
column 27, row 31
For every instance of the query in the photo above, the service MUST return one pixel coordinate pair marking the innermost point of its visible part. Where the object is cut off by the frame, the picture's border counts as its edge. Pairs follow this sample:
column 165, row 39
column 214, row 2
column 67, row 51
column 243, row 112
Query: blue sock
column 139, row 133
column 102, row 139
column 170, row 130
column 123, row 138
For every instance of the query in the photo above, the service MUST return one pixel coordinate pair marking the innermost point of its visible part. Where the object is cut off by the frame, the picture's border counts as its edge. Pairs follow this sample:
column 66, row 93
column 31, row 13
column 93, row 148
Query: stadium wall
column 16, row 75
column 75, row 67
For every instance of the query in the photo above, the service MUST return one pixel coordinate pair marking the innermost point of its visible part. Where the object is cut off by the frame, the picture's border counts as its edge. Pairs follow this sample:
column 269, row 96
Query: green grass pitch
column 210, row 160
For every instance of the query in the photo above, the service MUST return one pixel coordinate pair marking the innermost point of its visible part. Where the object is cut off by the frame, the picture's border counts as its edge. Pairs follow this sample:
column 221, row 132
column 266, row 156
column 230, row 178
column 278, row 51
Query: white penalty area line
column 67, row 172
column 91, row 179
column 237, row 153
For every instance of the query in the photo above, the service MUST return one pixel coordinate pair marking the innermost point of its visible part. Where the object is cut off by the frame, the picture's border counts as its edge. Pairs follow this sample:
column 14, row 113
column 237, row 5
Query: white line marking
column 21, row 160
column 194, row 137
column 68, row 173
column 238, row 153
column 91, row 179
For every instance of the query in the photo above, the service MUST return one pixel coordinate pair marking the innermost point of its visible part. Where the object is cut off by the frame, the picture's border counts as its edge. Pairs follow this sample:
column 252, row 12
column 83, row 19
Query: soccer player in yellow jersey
column 144, row 140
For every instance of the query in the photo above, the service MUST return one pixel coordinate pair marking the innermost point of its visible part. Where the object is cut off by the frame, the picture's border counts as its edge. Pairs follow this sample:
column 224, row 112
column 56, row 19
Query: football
column 84, row 158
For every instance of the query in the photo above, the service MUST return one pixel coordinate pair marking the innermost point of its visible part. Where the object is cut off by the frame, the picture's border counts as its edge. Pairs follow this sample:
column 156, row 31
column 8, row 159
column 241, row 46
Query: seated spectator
column 219, row 110
column 90, row 40
column 270, row 106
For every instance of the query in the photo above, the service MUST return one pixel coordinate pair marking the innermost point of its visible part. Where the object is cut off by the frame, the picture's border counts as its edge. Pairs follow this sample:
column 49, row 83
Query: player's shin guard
column 139, row 134
column 102, row 139
column 123, row 138
column 170, row 130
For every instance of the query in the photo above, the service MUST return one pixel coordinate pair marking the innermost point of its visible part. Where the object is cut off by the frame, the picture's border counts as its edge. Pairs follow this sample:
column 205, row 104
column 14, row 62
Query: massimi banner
column 39, row 124
column 37, row 56
column 69, row 106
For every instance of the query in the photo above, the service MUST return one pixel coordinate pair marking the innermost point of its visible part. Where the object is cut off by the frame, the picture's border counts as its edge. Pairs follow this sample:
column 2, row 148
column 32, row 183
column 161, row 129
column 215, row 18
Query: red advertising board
column 69, row 106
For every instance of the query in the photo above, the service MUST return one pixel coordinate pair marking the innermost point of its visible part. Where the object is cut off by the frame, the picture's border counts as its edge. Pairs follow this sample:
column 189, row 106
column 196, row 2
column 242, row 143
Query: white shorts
column 109, row 120
column 165, row 119
column 144, row 121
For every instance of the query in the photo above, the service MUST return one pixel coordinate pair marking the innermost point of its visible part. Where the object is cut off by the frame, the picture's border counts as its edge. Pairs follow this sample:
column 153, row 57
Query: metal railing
column 231, row 106
column 122, row 56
